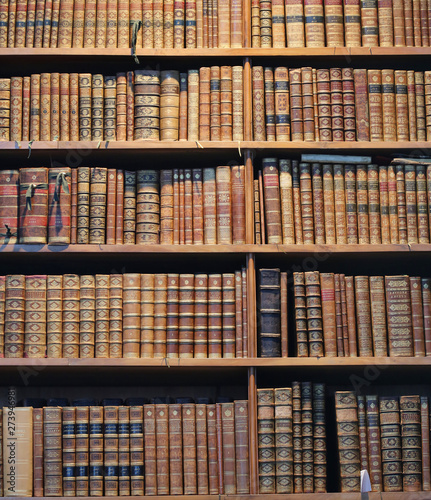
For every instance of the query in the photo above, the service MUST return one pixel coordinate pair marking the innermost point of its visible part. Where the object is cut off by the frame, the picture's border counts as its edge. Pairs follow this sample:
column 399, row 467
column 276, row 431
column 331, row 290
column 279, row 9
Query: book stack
column 124, row 315
column 291, row 426
column 203, row 104
column 342, row 203
column 99, row 205
column 327, row 23
column 338, row 315
column 161, row 447
column 386, row 435
column 120, row 23
column 340, row 104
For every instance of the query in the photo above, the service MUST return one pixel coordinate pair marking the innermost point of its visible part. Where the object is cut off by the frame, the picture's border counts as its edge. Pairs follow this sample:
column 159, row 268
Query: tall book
column 59, row 205
column 266, row 440
column 52, row 459
column 269, row 313
column 9, row 189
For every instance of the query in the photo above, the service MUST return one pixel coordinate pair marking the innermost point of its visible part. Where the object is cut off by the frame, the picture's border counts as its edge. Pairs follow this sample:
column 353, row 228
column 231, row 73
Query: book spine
column 124, row 450
column 294, row 21
column 87, row 309
column 119, row 207
column 297, row 438
column 172, row 332
column 169, row 105
column 95, row 450
column 123, row 24
column 334, row 25
column 425, row 437
column 422, row 205
column 411, row 438
column 201, row 316
column 351, row 315
column 82, row 450
column 319, row 438
column 160, row 299
column 314, row 23
column 417, row 316
column 401, row 203
column 385, row 23
column 237, row 103
column 129, row 208
column 363, row 315
column 411, row 101
column 307, row 437
column 137, row 450
column 201, row 449
column 215, row 310
column 327, row 290
column 228, row 316
column 162, row 448
column 306, row 203
column 101, row 340
column 361, row 105
column 115, row 328
column 398, row 23
column 33, row 205
column 369, row 21
column 228, row 437
column 4, row 15
column 224, row 205
column 71, row 293
column 362, row 204
column 325, row 222
column 111, row 192
column 337, row 110
column 286, row 200
column 188, row 207
column 147, row 207
column 269, row 310
column 14, row 316
column 258, row 103
column 374, row 205
column 307, row 103
column 59, row 205
column 244, row 314
column 272, row 200
column 314, row 313
column 393, row 205
column 35, row 317
column 78, row 24
column 282, row 104
column 55, row 18
column 378, row 315
column 131, row 315
column 300, row 315
column 111, row 455
column 2, row 326
column 362, row 427
column 52, row 448
column 384, row 204
column 9, row 190
column 186, row 316
column 130, row 105
column 20, row 23
column 283, row 440
column 420, row 106
column 401, row 105
column 175, row 450
column 189, row 448
column 268, row 76
column 38, row 452
column 112, row 23
column 411, row 203
column 374, row 449
column 266, row 440
column 65, row 26
column 323, row 97
column 391, row 444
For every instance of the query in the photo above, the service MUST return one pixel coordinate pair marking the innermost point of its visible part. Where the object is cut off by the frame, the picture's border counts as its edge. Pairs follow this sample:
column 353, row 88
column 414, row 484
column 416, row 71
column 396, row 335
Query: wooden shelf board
column 216, row 52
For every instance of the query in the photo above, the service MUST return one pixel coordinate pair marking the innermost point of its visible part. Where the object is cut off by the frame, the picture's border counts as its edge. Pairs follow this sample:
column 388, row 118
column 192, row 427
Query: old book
column 282, row 104
column 109, row 111
column 97, row 102
column 119, row 207
column 346, row 409
column 352, row 23
column 74, row 107
column 35, row 316
column 390, row 434
column 70, row 318
column 186, row 316
column 17, row 461
column 257, row 223
column 95, row 449
column 410, row 417
column 411, row 101
column 9, row 189
column 169, row 105
column 162, row 448
column 102, row 327
column 193, row 109
column 314, row 313
column 239, row 351
column 111, row 451
column 160, row 300
column 258, row 104
column 307, row 437
column 307, row 103
column 224, row 205
column 115, row 315
column 388, row 105
column 2, row 325
column 417, row 316
column 175, row 450
column 83, row 207
column 420, row 105
column 374, row 448
column 362, row 203
column 212, row 449
column 183, row 119
column 68, row 449
column 425, row 437
column 82, row 450
column 286, row 200
column 65, row 26
column 54, row 105
column 131, row 315
column 189, row 448
column 16, row 102
column 197, row 207
column 202, row 449
column 147, row 207
column 327, row 290
column 340, row 204
column 111, row 192
column 147, row 105
column 378, row 315
column 325, row 217
column 393, row 204
column 266, row 440
column 188, row 206
column 20, row 21
column 242, row 473
column 229, row 442
column 182, row 206
column 399, row 317
column 334, row 23
column 124, row 450
column 245, row 342
column 284, row 315
column 401, row 105
column 130, row 103
column 33, row 205
column 314, row 23
column 215, row 110
column 283, row 439
column 215, row 311
column 384, row 204
column 339, row 316
column 136, row 450
column 226, row 103
column 166, row 207
column 306, row 203
column 369, row 22
column 129, row 208
column 147, row 315
column 421, row 191
column 26, row 96
column 426, row 300
column 121, row 106
column 14, row 321
column 375, row 104
column 172, row 316
column 323, row 100
column 272, row 200
column 228, row 315
column 38, row 452
column 209, row 205
column 4, row 14
column 52, row 457
column 411, row 203
column 269, row 313
column 237, row 103
column 54, row 23
column 300, row 315
column 363, row 438
column 361, row 105
column 265, row 23
column 319, row 438
column 374, row 205
column 268, row 76
column 298, row 486
column 59, row 205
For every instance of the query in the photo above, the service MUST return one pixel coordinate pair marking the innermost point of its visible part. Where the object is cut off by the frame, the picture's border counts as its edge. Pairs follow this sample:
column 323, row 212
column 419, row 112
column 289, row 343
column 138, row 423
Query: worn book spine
column 401, row 203
column 361, row 105
column 411, row 203
column 33, row 205
column 37, row 452
column 35, row 316
column 393, row 205
column 282, row 104
column 74, row 107
column 375, row 104
column 224, row 205
column 266, row 441
column 4, row 14
column 425, row 437
column 82, row 450
column 362, row 427
column 410, row 413
column 378, row 315
column 245, row 342
column 362, row 204
column 129, row 207
column 188, row 207
column 124, row 450
column 228, row 315
column 147, row 207
column 2, row 322
column 9, row 190
column 83, row 206
column 59, row 205
column 111, row 193
column 201, row 316
column 189, row 448
column 298, row 486
column 55, row 23
column 325, row 222
column 401, row 105
column 420, row 106
column 172, row 332
column 363, row 315
column 64, row 109
column 314, row 23
column 257, row 223
column 307, row 437
column 319, row 438
column 334, row 23
column 300, row 315
column 123, row 24
column 95, row 450
column 119, row 207
column 14, row 316
column 11, row 23
column 351, row 315
column 283, row 440
column 130, row 105
column 111, row 452
column 26, row 100
column 385, row 23
column 398, row 23
column 239, row 352
column 374, row 205
column 65, row 26
column 258, row 103
column 323, row 100
column 215, row 310
column 162, row 448
column 384, row 204
column 307, row 103
column 417, row 316
column 186, row 315
column 229, row 442
column 87, row 309
column 339, row 316
column 327, row 290
column 268, row 76
column 269, row 313
column 314, row 313
column 52, row 457
column 388, row 105
column 160, row 300
column 54, row 97
column 374, row 447
column 15, row 111
column 422, row 205
column 272, row 200
column 411, row 101
column 97, row 102
column 286, row 200
column 369, row 22
column 137, row 450
column 101, row 339
column 115, row 315
column 426, row 299
column 175, row 450
column 71, row 312
column 306, row 203
column 237, row 103
column 131, row 315
column 169, row 105
column 390, row 443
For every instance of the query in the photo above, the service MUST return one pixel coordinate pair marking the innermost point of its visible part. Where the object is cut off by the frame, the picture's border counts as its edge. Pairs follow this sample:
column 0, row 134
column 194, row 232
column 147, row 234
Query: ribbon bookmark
column 61, row 181
column 136, row 27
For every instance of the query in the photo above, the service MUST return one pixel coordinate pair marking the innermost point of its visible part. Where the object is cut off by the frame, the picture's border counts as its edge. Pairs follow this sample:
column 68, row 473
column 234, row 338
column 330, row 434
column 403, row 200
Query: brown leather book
column 182, row 206
column 401, row 105
column 268, row 76
column 38, row 24
column 14, row 316
column 26, row 97
column 337, row 110
column 294, row 21
column 384, row 204
column 59, row 205
column 314, row 23
column 162, row 448
column 212, row 449
column 5, row 122
column 334, row 23
column 9, row 189
column 410, row 408
column 74, row 206
column 228, row 437
column 111, row 454
column 361, row 104
column 327, row 290
column 224, row 205
column 147, row 315
column 297, row 438
column 388, row 105
column 186, row 316
column 425, row 437
column 45, row 106
column 363, row 315
column 307, row 437
column 374, row 205
column 257, row 223
column 204, row 103
column 82, row 450
column 338, row 316
column 283, row 440
column 319, row 423
column 399, row 313
column 215, row 125
column 385, row 23
column 74, row 107
column 369, row 22
column 95, row 448
column 115, row 315
column 209, row 206
column 98, row 190
column 378, row 315
column 238, row 316
column 124, row 451
column 393, row 204
column 411, row 100
column 411, row 203
column 390, row 433
column 137, row 450
column 265, row 24
column 272, row 200
column 266, row 441
column 417, row 316
column 172, row 316
column 340, row 204
column 398, row 23
column 228, row 315
column 258, row 104
column 69, row 449
column 215, row 310
column 373, row 435
column 167, row 214
column 121, row 101
column 111, row 23
column 131, row 315
column 237, row 103
column 282, row 104
column 16, row 102
column 201, row 449
column 102, row 347
column 226, row 101
column 375, row 104
column 300, row 315
column 84, row 100
column 422, row 204
column 307, row 103
column 346, row 409
column 52, row 447
column 176, row 204
column 324, row 216
column 83, row 210
column 2, row 319
column 198, row 208
column 189, row 448
column 160, row 299
column 130, row 101
column 169, row 104
column 175, row 450
column 193, row 109
column 71, row 294
column 35, row 316
column 286, row 201
column 37, row 452
column 242, row 472
column 111, row 194
column 244, row 314
column 109, row 105
column 188, row 207
column 306, row 203
column 401, row 204
column 238, row 204
column 54, row 23
column 129, row 209
column 362, row 203
column 201, row 316
column 284, row 315
column 420, row 106
column 426, row 300
column 147, row 105
column 261, row 207
column 64, row 111
column 363, row 438
column 55, row 107
column 97, row 104
column 147, row 207
column 33, row 205
column 323, row 100
column 119, row 207
column 314, row 313
column 183, row 89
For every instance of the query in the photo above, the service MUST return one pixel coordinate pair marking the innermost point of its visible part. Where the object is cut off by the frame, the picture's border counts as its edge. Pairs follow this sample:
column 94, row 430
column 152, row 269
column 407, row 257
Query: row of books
column 334, row 203
column 340, row 104
column 198, row 104
column 387, row 435
column 124, row 315
column 121, row 23
column 97, row 205
column 300, row 23
column 338, row 315
column 291, row 426
column 153, row 449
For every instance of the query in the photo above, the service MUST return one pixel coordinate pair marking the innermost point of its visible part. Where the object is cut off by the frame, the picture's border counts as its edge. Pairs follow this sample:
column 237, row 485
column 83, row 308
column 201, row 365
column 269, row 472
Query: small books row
column 98, row 205
column 324, row 203
column 387, row 435
column 124, row 315
column 153, row 449
column 198, row 104
column 291, row 426
column 340, row 104
column 338, row 315
column 339, row 23
column 121, row 23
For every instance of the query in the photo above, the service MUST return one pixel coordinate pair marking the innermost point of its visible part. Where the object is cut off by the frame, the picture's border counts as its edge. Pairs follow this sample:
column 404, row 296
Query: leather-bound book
column 59, row 204
column 136, row 451
column 160, row 300
column 237, row 103
column 422, row 204
column 294, row 20
column 319, row 438
column 124, row 450
column 82, row 457
column 283, row 440
column 268, row 77
column 130, row 103
column 55, row 18
column 286, row 200
column 204, row 104
column 257, row 224
column 71, row 293
column 147, row 105
column 244, row 313
column 266, row 441
column 300, row 315
column 346, row 409
column 324, row 104
column 269, row 313
column 112, row 23
column 111, row 206
column 5, row 109
column 172, row 316
column 296, row 105
column 340, row 204
column 109, row 105
column 327, row 290
column 411, row 203
column 265, row 24
column 390, row 434
column 306, row 203
column 284, row 315
column 29, row 22
column 314, row 23
column 410, row 413
column 401, row 105
column 37, row 452
column 181, row 211
column 307, row 436
column 200, row 316
column 193, row 109
column 65, row 30
column 9, row 189
column 314, row 313
column 384, row 204
column 16, row 101
column 363, row 438
column 129, row 209
column 399, row 316
column 101, row 23
column 242, row 472
column 33, row 205
column 85, row 81
column 175, row 450
column 238, row 204
column 45, row 106
column 411, row 100
column 361, row 104
column 64, row 110
column 147, row 315
column 375, row 104
column 121, row 102
column 55, row 107
column 258, row 104
column 398, row 23
column 420, row 106
column 197, row 207
column 188, row 207
column 297, row 437
column 388, row 105
column 38, row 24
column 272, row 200
column 119, row 208
column 374, row 449
column 226, row 104
column 374, row 205
column 426, row 300
column 202, row 449
column 131, row 315
column 97, row 102
column 189, row 448
column 363, row 315
column 183, row 92
column 228, row 436
column 228, row 316
column 101, row 340
column 136, row 14
column 52, row 457
column 282, row 104
column 417, row 316
column 2, row 322
column 393, row 204
column 334, row 23
column 255, row 23
column 35, row 316
column 25, row 109
column 425, row 437
column 162, row 448
column 186, row 316
column 352, row 23
column 362, row 203
column 224, row 205
column 215, row 110
column 307, row 103
column 83, row 217
column 209, row 206
column 69, row 450
column 385, row 23
column 338, row 316
column 167, row 213
column 77, row 23
column 169, row 105
column 215, row 311
column 378, row 315
column 190, row 27
column 212, row 449
column 239, row 351
column 115, row 315
column 417, row 23
column 369, row 21
column 424, row 24
column 323, row 203
column 14, row 321
column 147, row 207
column 111, row 452
column 74, row 107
